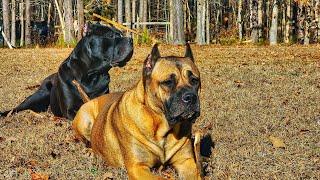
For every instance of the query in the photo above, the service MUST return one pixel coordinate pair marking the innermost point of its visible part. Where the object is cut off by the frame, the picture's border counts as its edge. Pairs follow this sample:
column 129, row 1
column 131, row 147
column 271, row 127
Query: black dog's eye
column 170, row 83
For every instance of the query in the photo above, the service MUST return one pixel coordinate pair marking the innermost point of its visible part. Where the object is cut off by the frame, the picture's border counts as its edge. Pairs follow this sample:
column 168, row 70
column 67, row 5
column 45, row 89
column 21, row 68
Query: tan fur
column 131, row 130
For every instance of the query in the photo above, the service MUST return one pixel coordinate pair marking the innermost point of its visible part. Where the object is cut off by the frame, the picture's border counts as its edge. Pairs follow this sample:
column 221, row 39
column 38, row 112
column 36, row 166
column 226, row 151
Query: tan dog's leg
column 184, row 162
column 84, row 120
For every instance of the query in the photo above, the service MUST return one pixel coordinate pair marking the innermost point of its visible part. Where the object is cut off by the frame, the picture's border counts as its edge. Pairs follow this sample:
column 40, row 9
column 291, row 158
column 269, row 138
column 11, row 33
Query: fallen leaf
column 2, row 139
column 107, row 175
column 277, row 142
column 33, row 163
column 38, row 176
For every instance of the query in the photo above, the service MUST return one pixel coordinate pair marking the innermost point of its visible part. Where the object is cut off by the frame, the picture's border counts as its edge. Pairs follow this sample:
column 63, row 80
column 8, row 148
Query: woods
column 44, row 22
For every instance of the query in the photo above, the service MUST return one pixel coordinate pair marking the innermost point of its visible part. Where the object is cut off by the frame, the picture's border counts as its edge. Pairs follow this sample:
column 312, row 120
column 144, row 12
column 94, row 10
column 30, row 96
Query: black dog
column 101, row 49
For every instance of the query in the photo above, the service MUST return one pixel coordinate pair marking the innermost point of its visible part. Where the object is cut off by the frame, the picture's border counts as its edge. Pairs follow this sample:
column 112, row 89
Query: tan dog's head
column 172, row 83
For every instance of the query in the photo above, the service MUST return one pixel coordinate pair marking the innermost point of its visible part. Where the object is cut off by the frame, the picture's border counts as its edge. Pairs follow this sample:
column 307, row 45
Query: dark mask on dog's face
column 107, row 47
column 176, row 83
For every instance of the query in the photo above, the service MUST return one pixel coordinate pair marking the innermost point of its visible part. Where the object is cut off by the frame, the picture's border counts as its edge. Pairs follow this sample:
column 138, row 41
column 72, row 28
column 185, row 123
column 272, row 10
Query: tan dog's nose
column 189, row 98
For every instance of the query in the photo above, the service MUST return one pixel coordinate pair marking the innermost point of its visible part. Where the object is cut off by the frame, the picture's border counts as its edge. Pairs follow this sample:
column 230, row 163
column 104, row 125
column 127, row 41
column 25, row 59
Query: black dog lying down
column 101, row 49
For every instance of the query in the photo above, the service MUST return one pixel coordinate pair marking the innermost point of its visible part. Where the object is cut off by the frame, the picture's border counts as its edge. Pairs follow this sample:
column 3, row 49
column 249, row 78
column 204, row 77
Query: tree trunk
column 80, row 18
column 128, row 12
column 13, row 23
column 274, row 24
column 317, row 18
column 21, row 8
column 307, row 21
column 240, row 25
column 283, row 20
column 254, row 20
column 141, row 10
column 5, row 16
column 68, row 18
column 300, row 19
column 260, row 20
column 41, row 11
column 49, row 14
column 63, row 29
column 134, row 6
column 201, row 19
column 288, row 22
column 145, row 13
column 207, row 24
column 268, row 17
column 120, row 11
column 28, row 24
column 176, row 22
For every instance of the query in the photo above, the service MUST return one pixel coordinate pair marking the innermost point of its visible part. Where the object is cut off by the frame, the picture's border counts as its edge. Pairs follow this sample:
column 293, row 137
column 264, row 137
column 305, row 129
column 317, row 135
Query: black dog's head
column 104, row 47
column 174, row 84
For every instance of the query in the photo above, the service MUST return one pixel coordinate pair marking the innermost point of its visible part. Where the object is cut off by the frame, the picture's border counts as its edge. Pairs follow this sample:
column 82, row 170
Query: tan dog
column 149, row 125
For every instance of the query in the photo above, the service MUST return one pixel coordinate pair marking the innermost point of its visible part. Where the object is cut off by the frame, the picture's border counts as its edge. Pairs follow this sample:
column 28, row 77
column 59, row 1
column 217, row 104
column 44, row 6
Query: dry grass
column 248, row 94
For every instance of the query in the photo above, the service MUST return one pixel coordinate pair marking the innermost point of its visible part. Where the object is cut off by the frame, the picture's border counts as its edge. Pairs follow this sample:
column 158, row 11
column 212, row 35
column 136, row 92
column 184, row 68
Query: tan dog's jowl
column 149, row 125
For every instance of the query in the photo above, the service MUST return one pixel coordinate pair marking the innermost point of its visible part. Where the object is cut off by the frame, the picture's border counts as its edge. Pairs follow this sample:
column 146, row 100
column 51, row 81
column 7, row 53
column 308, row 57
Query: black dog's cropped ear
column 189, row 52
column 150, row 62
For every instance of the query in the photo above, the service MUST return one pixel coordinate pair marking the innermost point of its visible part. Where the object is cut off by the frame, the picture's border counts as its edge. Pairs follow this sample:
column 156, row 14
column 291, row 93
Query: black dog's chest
column 96, row 84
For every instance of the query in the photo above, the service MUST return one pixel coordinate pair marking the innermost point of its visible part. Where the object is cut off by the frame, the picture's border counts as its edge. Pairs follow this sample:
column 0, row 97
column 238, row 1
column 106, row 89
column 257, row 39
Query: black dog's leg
column 38, row 101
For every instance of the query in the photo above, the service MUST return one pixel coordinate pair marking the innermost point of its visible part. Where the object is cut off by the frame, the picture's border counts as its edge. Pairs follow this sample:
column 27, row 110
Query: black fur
column 101, row 49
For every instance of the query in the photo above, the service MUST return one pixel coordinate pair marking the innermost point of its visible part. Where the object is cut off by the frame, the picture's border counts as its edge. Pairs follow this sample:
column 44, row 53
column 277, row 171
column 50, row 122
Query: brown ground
column 248, row 94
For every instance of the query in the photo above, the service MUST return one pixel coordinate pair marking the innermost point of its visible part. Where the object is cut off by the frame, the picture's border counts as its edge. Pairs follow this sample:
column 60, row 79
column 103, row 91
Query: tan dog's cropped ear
column 189, row 52
column 150, row 62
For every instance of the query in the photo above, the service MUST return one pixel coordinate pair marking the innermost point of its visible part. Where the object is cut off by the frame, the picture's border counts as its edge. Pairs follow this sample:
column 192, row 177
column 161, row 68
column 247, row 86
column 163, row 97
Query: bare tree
column 317, row 19
column 80, row 18
column 240, row 31
column 120, row 11
column 21, row 12
column 128, row 12
column 307, row 23
column 13, row 22
column 260, row 19
column 176, row 22
column 300, row 19
column 274, row 24
column 254, row 20
column 143, row 13
column 61, row 19
column 28, row 23
column 134, row 13
column 68, row 18
column 201, row 22
column 5, row 16
column 288, row 21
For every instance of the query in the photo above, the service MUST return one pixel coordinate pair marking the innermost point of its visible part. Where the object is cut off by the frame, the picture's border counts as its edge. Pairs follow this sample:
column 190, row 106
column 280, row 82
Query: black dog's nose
column 189, row 97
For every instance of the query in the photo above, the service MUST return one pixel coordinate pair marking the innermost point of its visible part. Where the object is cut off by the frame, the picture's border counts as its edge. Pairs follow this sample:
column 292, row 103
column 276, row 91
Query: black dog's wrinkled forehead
column 101, row 30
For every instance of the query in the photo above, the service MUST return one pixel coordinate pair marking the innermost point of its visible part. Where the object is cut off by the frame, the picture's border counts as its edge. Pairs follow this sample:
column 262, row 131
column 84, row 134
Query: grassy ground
column 248, row 94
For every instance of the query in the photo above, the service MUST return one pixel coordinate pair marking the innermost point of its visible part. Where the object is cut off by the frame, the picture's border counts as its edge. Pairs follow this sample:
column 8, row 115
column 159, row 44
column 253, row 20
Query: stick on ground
column 84, row 96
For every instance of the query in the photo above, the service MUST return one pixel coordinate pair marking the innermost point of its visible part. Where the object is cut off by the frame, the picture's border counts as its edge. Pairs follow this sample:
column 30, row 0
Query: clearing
column 248, row 94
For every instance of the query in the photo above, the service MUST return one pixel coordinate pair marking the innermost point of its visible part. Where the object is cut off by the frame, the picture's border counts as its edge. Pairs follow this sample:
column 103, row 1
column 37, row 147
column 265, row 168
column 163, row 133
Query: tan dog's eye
column 170, row 83
column 194, row 81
